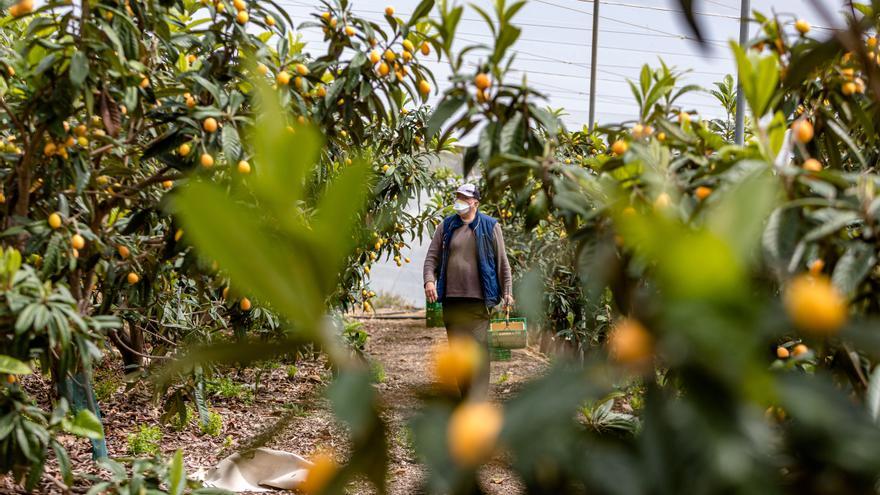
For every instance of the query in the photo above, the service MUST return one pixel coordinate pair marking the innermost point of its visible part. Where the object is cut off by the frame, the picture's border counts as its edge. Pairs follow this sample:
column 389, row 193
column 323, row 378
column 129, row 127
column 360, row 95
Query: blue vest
column 484, row 232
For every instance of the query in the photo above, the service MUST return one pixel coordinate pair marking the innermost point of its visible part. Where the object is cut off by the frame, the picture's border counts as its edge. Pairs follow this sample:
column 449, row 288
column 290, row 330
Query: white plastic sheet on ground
column 260, row 470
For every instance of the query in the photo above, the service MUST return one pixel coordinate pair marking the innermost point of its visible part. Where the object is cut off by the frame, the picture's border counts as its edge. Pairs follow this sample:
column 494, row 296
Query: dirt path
column 402, row 348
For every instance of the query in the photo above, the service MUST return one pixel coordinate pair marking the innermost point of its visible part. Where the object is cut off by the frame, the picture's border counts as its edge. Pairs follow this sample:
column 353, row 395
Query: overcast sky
column 554, row 48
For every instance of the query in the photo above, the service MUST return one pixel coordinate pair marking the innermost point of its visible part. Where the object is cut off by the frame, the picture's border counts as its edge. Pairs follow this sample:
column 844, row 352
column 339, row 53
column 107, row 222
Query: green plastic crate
column 433, row 314
column 499, row 354
column 508, row 333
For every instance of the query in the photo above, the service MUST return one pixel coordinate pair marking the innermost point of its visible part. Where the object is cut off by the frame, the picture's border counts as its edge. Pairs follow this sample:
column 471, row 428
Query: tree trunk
column 129, row 341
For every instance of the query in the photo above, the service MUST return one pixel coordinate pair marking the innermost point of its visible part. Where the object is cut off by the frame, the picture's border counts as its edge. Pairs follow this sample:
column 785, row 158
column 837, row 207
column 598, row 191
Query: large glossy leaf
column 758, row 76
column 745, row 201
column 79, row 68
column 805, row 62
column 552, row 426
column 843, row 135
column 85, row 424
column 780, row 238
column 834, row 220
column 510, row 139
column 335, row 218
column 248, row 249
column 13, row 366
column 176, row 474
column 421, row 10
column 231, row 144
column 853, row 267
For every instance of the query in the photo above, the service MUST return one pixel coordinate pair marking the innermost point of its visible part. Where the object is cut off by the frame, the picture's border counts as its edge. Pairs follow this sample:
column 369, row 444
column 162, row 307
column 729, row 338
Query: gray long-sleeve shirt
column 462, row 270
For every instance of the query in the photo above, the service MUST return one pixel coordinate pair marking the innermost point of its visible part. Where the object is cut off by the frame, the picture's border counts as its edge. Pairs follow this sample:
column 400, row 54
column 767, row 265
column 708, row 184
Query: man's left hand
column 508, row 301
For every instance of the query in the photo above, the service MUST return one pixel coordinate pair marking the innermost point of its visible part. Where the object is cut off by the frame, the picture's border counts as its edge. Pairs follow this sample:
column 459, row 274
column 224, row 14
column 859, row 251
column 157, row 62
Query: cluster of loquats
column 367, row 295
column 206, row 159
column 56, row 221
column 244, row 304
column 803, row 132
column 641, row 131
column 74, row 138
column 241, row 15
column 388, row 60
column 482, row 81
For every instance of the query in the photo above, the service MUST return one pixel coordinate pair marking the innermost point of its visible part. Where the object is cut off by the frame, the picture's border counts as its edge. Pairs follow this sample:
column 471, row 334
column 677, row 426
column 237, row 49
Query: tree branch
column 118, row 341
column 17, row 123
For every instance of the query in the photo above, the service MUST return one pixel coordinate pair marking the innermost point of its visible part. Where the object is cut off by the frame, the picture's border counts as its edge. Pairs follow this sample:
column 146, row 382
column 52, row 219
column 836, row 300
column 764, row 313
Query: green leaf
column 232, row 235
column 844, row 136
column 182, row 63
column 79, row 68
column 85, row 424
column 420, row 11
column 12, row 366
column 744, row 203
column 26, row 318
column 63, row 460
column 547, row 119
column 758, row 76
column 284, row 159
column 510, row 139
column 444, row 112
column 335, row 218
column 208, row 85
column 834, row 221
column 644, row 79
column 853, row 267
column 776, row 133
column 231, row 144
column 560, row 392
column 35, row 473
column 804, row 62
column 780, row 238
column 506, row 38
column 351, row 395
column 199, row 397
column 354, row 403
column 176, row 475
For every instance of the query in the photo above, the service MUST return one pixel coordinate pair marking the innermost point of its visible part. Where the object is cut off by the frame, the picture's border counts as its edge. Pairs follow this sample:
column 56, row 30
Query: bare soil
column 401, row 346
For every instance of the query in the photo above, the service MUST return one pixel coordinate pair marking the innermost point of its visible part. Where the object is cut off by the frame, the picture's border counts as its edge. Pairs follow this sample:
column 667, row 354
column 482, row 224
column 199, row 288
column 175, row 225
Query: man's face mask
column 461, row 207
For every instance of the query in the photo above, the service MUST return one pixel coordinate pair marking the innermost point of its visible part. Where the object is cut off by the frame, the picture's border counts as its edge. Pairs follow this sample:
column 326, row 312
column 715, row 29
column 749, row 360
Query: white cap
column 468, row 190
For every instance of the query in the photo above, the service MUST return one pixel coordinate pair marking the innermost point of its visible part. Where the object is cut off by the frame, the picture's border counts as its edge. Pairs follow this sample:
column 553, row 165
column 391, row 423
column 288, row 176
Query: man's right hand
column 431, row 292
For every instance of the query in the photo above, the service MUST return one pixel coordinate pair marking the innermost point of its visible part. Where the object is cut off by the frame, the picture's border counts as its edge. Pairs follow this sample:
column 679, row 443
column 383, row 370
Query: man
column 466, row 269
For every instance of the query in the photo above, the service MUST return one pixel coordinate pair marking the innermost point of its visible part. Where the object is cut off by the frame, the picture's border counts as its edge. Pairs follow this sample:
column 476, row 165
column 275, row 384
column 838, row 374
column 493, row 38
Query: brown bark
column 129, row 341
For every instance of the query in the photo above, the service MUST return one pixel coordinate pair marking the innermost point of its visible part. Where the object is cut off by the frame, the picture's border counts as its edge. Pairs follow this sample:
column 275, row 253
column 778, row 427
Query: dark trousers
column 466, row 317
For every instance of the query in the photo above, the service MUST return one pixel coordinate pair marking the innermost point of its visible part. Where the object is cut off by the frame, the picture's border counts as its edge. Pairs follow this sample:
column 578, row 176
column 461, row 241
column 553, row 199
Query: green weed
column 228, row 389
column 106, row 386
column 145, row 441
column 377, row 372
column 214, row 425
